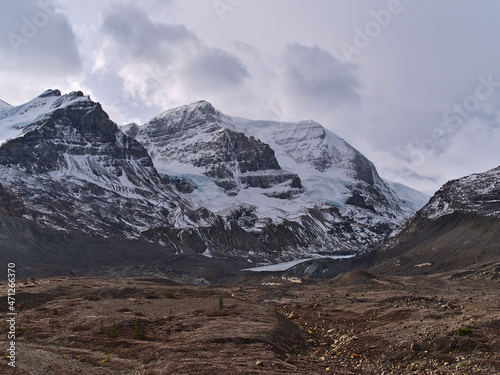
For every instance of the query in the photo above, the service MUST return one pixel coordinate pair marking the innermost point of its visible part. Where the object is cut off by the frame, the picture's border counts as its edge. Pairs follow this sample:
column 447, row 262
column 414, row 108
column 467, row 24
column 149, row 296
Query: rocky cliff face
column 477, row 194
column 201, row 137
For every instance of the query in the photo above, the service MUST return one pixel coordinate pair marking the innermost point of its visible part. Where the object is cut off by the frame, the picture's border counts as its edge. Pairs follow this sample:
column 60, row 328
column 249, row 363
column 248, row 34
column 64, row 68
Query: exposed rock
column 195, row 134
column 416, row 347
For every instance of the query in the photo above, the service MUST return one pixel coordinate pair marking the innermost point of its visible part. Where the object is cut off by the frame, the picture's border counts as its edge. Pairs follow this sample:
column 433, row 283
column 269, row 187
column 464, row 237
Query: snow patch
column 280, row 267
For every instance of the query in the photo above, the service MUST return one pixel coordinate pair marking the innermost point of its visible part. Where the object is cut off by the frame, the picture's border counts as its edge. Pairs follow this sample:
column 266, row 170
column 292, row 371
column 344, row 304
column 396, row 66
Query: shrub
column 464, row 331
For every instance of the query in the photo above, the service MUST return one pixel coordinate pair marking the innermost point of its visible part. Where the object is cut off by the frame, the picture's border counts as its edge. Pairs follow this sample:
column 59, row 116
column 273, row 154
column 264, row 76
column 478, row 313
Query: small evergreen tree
column 101, row 327
column 112, row 333
column 221, row 303
column 170, row 315
column 139, row 331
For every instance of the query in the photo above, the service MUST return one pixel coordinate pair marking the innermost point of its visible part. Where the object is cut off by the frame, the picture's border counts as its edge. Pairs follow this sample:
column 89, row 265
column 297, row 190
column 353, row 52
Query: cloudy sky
column 413, row 85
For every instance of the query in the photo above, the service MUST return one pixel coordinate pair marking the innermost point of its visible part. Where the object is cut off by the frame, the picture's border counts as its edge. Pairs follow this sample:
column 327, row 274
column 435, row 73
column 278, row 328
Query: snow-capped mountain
column 292, row 185
column 478, row 194
column 66, row 165
column 191, row 180
column 14, row 120
column 203, row 139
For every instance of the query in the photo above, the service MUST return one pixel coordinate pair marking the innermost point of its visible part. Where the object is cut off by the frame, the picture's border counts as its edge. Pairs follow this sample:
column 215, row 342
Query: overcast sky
column 413, row 85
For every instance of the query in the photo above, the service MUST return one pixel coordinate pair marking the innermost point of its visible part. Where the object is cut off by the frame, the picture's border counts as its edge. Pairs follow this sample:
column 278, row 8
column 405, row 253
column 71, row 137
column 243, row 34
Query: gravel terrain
column 356, row 323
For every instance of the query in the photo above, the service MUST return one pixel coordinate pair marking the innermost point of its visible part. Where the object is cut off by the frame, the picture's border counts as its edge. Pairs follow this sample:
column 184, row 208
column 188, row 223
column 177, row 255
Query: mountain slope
column 413, row 199
column 4, row 104
column 458, row 228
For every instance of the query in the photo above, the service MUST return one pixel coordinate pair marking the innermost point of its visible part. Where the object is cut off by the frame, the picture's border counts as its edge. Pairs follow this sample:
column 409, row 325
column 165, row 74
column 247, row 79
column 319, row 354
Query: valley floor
column 357, row 323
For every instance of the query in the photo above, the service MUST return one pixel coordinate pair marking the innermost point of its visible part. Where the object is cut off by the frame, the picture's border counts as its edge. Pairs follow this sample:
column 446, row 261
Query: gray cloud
column 312, row 74
column 142, row 39
column 155, row 58
column 214, row 69
column 121, row 106
column 140, row 58
column 36, row 38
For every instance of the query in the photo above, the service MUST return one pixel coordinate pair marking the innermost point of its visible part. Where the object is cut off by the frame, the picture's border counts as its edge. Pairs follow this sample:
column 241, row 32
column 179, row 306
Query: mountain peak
column 195, row 115
column 16, row 120
column 201, row 103
column 49, row 92
column 203, row 107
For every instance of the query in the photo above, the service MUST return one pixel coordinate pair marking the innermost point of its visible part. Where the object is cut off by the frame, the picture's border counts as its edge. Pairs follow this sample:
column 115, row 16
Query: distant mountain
column 413, row 199
column 458, row 228
column 191, row 181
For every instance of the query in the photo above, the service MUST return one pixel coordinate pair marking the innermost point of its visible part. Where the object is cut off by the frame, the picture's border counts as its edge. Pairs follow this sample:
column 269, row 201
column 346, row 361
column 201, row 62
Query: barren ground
column 357, row 323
